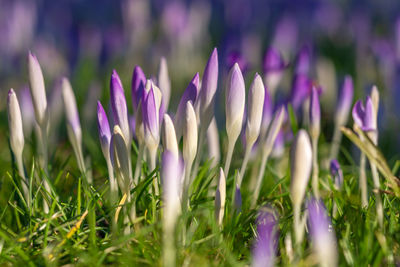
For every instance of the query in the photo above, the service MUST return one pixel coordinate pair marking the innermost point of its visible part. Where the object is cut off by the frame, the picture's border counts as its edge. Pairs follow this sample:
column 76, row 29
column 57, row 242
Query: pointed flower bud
column 164, row 82
column 344, row 102
column 213, row 144
column 71, row 111
column 321, row 233
column 104, row 130
column 300, row 90
column 337, row 173
column 255, row 108
column 264, row 249
column 364, row 117
column 38, row 91
column 138, row 84
column 375, row 99
column 151, row 119
column 118, row 105
column 15, row 123
column 171, row 177
column 189, row 134
column 234, row 104
column 190, row 94
column 169, row 136
column 315, row 114
column 220, row 196
column 300, row 166
column 208, row 89
column 120, row 159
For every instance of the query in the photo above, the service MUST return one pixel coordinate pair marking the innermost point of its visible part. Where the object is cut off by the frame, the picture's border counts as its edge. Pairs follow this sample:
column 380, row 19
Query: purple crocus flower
column 104, row 130
column 303, row 60
column 300, row 90
column 273, row 61
column 364, row 116
column 345, row 100
column 118, row 106
column 315, row 113
column 264, row 250
column 208, row 89
column 337, row 173
column 138, row 84
column 190, row 94
column 322, row 234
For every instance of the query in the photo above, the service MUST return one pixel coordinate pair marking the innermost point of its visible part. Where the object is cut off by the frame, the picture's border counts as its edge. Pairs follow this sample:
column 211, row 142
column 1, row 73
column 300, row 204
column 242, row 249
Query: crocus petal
column 138, row 83
column 255, row 108
column 71, row 109
column 190, row 134
column 303, row 61
column 190, row 94
column 120, row 159
column 164, row 82
column 315, row 113
column 344, row 102
column 169, row 136
column 300, row 90
column 337, row 173
column 235, row 101
column 358, row 113
column 150, row 115
column 38, row 91
column 264, row 250
column 15, row 124
column 118, row 105
column 369, row 122
column 104, row 130
column 322, row 236
column 273, row 61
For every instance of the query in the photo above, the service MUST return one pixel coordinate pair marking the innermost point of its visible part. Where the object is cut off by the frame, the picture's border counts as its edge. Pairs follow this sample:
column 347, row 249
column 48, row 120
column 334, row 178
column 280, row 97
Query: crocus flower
column 28, row 120
column 17, row 137
column 190, row 94
column 213, row 145
column 164, row 82
column 138, row 84
column 364, row 116
column 104, row 130
column 234, row 108
column 220, row 195
column 151, row 119
column 207, row 92
column 171, row 176
column 118, row 105
column 74, row 125
column 255, row 114
column 169, row 136
column 15, row 123
column 337, row 173
column 38, row 91
column 303, row 60
column 315, row 114
column 300, row 170
column 344, row 102
column 120, row 161
column 321, row 233
column 300, row 90
column 264, row 249
column 234, row 104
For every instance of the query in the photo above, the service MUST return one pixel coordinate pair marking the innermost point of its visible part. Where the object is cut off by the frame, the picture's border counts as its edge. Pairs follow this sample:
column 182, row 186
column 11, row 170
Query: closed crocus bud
column 220, row 196
column 171, row 177
column 321, row 233
column 120, row 160
column 208, row 89
column 213, row 145
column 300, row 166
column 118, row 105
column 344, row 102
column 169, row 136
column 375, row 99
column 38, row 91
column 255, row 108
column 264, row 249
column 151, row 120
column 189, row 134
column 190, row 94
column 337, row 173
column 365, row 117
column 138, row 84
column 315, row 114
column 71, row 112
column 234, row 104
column 15, row 123
column 104, row 130
column 164, row 82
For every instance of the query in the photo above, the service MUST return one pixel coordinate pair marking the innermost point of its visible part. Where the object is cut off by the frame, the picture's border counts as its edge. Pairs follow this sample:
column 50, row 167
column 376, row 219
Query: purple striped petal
column 150, row 115
column 118, row 105
column 138, row 84
column 104, row 127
